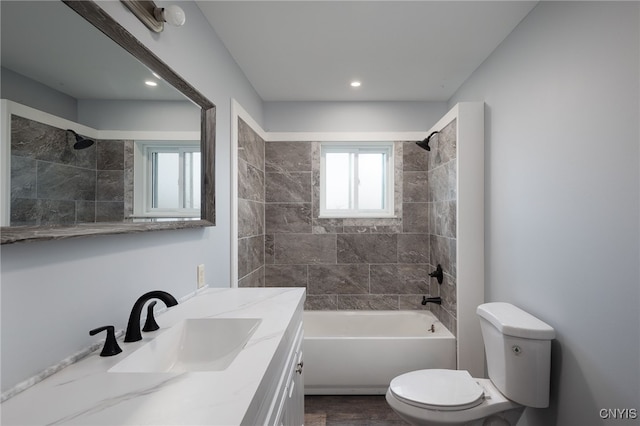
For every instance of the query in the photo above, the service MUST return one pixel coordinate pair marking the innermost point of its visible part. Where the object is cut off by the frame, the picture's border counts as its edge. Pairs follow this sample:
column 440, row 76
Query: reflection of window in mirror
column 356, row 179
column 167, row 179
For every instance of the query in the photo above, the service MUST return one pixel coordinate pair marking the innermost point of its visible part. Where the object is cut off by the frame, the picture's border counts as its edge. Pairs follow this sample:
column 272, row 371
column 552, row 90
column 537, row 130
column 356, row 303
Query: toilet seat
column 435, row 389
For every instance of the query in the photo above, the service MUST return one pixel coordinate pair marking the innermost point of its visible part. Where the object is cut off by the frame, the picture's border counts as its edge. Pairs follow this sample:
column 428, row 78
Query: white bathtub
column 359, row 352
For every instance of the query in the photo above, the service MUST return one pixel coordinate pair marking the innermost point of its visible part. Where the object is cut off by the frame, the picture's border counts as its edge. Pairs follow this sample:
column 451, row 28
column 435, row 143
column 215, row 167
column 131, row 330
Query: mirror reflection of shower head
column 424, row 144
column 81, row 142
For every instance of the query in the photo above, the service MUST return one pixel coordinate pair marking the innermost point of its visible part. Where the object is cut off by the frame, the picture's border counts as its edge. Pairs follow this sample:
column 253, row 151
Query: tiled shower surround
column 51, row 183
column 348, row 263
column 251, row 189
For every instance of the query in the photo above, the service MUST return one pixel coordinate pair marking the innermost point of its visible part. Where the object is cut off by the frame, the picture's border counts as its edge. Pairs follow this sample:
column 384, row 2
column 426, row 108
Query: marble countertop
column 85, row 393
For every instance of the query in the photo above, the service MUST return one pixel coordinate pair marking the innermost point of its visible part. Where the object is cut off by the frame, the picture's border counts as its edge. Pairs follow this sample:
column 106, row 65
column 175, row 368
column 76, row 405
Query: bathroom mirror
column 82, row 87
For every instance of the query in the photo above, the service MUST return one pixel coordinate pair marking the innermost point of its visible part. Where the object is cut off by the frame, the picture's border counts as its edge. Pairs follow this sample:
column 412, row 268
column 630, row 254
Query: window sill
column 165, row 216
column 357, row 216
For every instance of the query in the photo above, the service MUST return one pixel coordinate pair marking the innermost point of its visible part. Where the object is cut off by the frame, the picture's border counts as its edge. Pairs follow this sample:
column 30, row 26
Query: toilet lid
column 438, row 389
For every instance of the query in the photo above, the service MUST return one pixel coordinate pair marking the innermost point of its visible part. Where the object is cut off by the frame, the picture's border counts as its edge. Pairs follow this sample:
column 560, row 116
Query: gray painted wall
column 53, row 293
column 562, row 195
column 26, row 91
column 101, row 114
column 351, row 116
column 139, row 115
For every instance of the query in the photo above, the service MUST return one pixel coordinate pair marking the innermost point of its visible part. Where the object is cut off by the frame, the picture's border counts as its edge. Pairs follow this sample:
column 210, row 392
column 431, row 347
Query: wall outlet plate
column 201, row 276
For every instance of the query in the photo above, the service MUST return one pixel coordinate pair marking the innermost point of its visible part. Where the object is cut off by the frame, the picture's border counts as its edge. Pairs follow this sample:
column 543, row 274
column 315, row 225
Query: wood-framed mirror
column 104, row 25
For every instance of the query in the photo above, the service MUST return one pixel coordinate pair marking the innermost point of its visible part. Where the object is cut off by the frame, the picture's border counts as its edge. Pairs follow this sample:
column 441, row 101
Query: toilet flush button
column 516, row 349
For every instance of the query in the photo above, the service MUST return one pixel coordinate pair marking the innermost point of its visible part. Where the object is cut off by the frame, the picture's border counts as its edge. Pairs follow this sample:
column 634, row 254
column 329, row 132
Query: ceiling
column 399, row 50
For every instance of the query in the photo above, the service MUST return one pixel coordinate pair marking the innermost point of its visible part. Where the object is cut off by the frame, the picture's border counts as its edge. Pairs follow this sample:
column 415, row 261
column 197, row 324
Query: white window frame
column 143, row 178
column 387, row 148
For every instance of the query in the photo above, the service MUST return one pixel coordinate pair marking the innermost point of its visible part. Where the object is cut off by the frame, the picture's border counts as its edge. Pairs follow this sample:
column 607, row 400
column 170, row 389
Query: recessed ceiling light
column 150, row 83
column 356, row 83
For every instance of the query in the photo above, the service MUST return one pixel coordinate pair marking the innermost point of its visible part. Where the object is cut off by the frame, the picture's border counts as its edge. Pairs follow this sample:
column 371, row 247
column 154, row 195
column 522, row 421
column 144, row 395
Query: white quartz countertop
column 85, row 393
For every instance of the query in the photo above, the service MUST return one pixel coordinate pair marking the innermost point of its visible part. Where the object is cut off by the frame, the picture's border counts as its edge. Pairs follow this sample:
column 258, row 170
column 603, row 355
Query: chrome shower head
column 424, row 144
column 81, row 142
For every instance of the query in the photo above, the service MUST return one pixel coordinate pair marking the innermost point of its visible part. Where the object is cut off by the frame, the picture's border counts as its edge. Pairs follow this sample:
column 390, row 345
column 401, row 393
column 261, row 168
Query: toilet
column 518, row 350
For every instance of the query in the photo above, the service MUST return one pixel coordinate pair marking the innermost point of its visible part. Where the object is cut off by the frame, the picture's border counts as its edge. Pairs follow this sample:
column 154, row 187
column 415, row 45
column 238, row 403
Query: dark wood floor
column 344, row 410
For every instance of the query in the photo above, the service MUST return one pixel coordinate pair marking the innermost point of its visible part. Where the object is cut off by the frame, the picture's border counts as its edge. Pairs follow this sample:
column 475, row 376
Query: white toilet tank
column 518, row 349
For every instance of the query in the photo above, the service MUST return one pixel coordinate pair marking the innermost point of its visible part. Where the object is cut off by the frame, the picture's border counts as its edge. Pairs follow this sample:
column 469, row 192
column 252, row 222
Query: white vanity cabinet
column 263, row 385
column 280, row 399
column 291, row 402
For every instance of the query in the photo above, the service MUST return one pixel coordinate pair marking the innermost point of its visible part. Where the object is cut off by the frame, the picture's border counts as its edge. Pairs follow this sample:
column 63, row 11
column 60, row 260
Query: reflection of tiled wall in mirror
column 54, row 184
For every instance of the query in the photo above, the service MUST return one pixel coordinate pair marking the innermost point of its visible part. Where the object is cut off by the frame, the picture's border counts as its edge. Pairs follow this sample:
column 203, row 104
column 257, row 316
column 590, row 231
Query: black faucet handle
column 150, row 324
column 438, row 274
column 110, row 344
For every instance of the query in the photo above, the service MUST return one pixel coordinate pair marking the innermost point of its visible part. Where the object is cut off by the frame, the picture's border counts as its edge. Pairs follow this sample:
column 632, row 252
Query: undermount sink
column 203, row 344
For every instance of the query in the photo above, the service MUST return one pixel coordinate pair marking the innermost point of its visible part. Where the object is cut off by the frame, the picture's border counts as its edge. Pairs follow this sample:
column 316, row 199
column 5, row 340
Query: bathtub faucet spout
column 437, row 300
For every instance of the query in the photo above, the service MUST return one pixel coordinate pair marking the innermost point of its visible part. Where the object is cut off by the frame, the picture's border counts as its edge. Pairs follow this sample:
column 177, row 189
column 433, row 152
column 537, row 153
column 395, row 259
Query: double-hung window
column 356, row 179
column 167, row 181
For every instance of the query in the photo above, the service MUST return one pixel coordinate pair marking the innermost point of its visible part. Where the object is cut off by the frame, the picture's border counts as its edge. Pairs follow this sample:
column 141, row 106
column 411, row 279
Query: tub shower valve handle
column 110, row 344
column 437, row 274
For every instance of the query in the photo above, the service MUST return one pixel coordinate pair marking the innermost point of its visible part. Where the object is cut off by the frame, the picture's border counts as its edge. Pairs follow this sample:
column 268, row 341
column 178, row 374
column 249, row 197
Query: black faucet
column 133, row 327
column 437, row 300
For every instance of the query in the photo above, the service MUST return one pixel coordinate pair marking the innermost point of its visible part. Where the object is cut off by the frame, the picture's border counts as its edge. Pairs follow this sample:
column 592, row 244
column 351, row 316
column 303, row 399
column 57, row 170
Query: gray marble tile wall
column 128, row 178
column 442, row 201
column 110, row 182
column 51, row 183
column 346, row 263
column 251, row 207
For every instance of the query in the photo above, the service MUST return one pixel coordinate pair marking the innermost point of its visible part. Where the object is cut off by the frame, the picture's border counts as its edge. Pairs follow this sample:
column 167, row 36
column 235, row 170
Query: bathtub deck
column 356, row 410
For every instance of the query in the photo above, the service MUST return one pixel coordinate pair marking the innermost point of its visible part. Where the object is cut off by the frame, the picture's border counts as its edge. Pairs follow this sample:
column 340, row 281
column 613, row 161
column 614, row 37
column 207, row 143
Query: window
column 356, row 179
column 167, row 179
